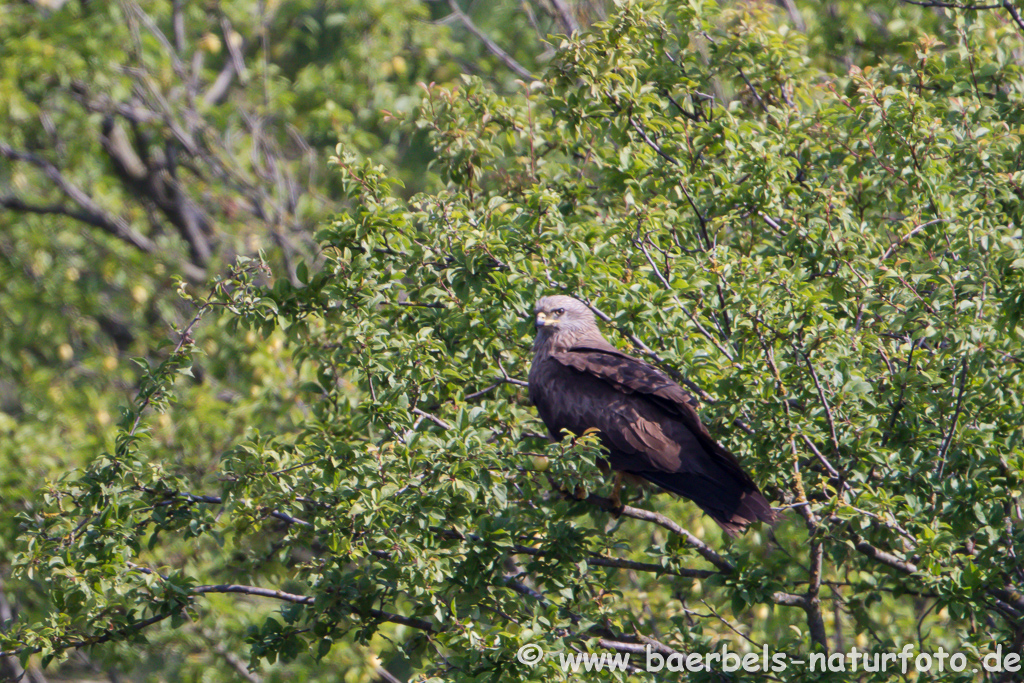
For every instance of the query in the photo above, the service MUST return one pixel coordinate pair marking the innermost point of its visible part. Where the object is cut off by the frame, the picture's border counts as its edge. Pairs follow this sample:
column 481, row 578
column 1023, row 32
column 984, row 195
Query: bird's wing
column 632, row 376
column 629, row 375
column 650, row 426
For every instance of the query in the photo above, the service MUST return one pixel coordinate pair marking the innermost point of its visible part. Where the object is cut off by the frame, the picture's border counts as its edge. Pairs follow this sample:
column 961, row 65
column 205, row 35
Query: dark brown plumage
column 579, row 381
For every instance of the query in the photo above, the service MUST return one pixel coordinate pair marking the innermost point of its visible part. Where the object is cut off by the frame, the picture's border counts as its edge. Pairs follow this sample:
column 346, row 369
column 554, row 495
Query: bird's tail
column 730, row 501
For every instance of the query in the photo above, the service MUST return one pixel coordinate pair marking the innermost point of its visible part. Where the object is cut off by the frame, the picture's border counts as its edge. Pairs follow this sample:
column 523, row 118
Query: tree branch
column 906, row 238
column 600, row 561
column 950, row 5
column 566, row 16
column 956, row 416
column 661, row 520
column 824, row 402
column 234, row 661
column 377, row 614
column 380, row 615
column 85, row 642
column 693, row 318
column 433, row 418
column 491, row 46
column 90, row 214
column 888, row 559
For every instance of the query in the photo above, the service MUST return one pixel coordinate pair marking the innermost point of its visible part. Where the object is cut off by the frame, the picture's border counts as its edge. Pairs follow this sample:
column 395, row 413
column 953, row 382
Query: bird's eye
column 559, row 311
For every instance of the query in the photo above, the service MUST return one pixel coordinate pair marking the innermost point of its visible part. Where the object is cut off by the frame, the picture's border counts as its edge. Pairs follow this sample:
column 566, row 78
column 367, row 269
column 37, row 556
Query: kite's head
column 558, row 314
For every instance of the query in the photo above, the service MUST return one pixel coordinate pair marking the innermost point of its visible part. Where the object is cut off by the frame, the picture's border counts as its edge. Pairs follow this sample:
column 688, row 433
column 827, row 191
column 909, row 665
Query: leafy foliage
column 831, row 262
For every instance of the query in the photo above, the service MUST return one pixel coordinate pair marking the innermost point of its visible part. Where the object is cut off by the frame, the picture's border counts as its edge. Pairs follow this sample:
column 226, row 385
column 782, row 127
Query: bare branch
column 232, row 660
column 752, row 89
column 693, row 318
column 178, row 22
column 90, row 213
column 906, row 238
column 95, row 216
column 815, row 622
column 729, row 625
column 956, row 416
column 789, row 600
column 701, row 219
column 433, row 418
column 950, row 5
column 133, row 9
column 885, row 558
column 234, row 49
column 794, row 15
column 661, row 520
column 824, row 402
column 566, row 16
column 497, row 383
column 651, row 143
column 380, row 615
column 491, row 46
column 648, row 567
column 832, row 471
column 217, row 92
column 1014, row 14
column 1010, row 595
column 482, row 392
column 385, row 675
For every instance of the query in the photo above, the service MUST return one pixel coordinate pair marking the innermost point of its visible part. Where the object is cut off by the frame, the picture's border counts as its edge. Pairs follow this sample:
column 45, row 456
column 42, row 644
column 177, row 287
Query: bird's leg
column 617, row 494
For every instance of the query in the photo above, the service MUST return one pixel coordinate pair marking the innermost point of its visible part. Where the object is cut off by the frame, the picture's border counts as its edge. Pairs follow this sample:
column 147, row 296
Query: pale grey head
column 563, row 318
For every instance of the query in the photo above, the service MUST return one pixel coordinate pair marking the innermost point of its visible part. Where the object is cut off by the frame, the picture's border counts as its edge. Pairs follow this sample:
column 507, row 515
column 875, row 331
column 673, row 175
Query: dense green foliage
column 829, row 254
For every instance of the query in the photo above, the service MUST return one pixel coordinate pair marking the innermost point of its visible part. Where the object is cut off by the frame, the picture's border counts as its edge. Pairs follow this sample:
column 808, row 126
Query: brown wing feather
column 632, row 376
column 649, row 425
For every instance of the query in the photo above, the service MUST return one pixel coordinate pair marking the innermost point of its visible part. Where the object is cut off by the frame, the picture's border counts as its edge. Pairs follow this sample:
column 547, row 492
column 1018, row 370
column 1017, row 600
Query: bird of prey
column 579, row 381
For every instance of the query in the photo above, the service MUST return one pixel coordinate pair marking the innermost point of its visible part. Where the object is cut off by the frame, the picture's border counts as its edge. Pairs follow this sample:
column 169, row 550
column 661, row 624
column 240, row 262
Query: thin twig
column 725, row 621
column 906, row 238
column 693, row 318
column 752, row 89
column 956, row 416
column 491, row 46
column 824, row 402
column 433, row 418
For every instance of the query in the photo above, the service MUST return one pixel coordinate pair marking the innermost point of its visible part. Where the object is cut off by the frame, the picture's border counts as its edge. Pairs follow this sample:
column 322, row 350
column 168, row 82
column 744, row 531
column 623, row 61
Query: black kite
column 648, row 423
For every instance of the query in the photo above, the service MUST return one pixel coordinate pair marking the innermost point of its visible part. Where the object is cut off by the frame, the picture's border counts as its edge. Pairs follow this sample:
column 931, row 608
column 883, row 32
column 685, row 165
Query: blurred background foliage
column 809, row 211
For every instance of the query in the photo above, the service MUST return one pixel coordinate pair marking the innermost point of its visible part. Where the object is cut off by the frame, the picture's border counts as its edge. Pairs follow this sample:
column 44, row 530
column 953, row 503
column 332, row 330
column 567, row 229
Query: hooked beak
column 542, row 320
